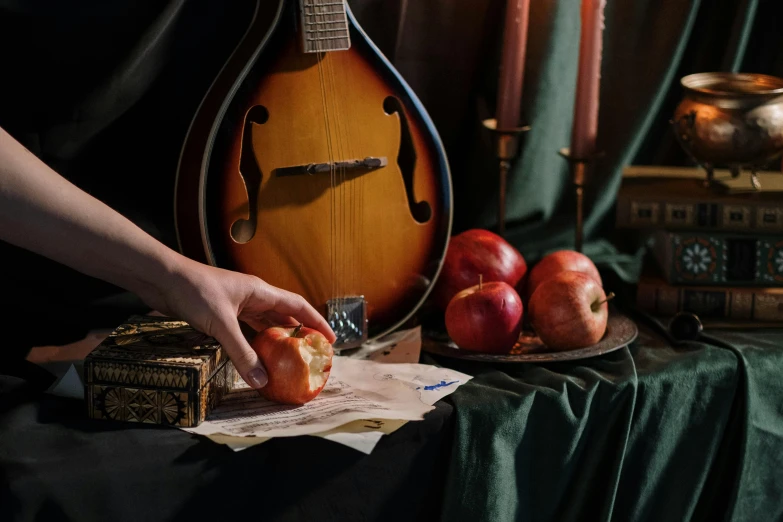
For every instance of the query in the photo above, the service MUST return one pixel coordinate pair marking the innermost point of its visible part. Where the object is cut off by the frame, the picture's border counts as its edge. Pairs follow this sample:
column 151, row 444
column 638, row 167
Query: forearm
column 42, row 212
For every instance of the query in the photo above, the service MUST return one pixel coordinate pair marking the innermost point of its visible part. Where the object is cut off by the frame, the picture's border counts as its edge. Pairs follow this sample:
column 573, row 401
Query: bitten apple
column 569, row 311
column 557, row 262
column 486, row 317
column 298, row 361
column 475, row 252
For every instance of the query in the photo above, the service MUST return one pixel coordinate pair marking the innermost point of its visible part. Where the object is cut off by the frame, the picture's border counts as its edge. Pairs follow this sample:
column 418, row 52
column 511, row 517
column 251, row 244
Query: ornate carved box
column 156, row 370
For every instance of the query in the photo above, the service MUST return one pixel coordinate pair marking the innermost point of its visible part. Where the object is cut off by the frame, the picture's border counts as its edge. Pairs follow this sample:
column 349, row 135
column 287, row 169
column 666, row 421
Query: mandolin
column 311, row 164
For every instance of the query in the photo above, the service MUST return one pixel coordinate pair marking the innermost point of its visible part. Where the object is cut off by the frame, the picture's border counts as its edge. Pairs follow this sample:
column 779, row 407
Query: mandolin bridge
column 334, row 166
column 348, row 318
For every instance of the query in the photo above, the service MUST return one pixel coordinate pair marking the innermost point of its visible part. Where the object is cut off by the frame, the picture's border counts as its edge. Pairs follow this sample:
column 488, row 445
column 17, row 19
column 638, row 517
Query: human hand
column 44, row 213
column 213, row 300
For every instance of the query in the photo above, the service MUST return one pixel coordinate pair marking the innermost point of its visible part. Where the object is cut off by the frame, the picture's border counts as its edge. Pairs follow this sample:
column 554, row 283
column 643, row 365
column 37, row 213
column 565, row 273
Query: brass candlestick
column 579, row 168
column 506, row 143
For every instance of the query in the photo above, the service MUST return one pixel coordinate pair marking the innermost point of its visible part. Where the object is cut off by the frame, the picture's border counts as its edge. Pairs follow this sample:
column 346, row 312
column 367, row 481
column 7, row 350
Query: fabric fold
column 661, row 430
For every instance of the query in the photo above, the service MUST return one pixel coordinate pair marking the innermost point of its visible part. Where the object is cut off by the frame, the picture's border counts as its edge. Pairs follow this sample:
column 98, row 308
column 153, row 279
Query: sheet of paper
column 402, row 346
column 364, row 442
column 69, row 385
column 362, row 435
column 353, row 386
column 357, row 390
column 237, row 443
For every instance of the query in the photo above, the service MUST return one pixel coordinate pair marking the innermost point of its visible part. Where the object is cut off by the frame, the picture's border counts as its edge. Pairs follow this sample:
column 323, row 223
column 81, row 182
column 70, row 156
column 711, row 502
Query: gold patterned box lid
column 155, row 352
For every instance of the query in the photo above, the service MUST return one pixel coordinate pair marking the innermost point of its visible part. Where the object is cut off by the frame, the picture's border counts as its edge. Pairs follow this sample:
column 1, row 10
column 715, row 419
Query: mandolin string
column 347, row 183
column 337, row 192
column 351, row 185
column 332, row 234
column 353, row 258
column 343, row 232
column 331, row 206
column 353, row 261
column 351, row 250
column 357, row 184
column 340, row 130
column 341, row 181
column 323, row 65
column 328, row 86
column 341, row 144
column 346, row 216
column 360, row 242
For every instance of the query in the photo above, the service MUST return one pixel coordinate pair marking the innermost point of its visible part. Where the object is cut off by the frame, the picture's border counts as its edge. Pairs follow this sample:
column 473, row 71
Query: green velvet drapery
column 657, row 431
column 448, row 51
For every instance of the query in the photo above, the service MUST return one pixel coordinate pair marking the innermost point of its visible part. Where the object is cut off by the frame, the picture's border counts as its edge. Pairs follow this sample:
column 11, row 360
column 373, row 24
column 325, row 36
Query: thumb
column 245, row 360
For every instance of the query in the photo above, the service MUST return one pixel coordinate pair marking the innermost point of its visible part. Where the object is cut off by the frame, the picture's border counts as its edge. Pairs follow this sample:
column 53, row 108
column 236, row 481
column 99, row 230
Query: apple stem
column 609, row 297
column 296, row 330
column 481, row 280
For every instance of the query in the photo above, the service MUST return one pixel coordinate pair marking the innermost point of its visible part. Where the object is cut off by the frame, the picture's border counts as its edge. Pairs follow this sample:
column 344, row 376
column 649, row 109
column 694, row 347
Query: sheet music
column 356, row 390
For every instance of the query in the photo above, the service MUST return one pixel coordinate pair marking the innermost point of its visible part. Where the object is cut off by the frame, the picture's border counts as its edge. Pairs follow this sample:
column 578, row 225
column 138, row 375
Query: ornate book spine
column 655, row 211
column 719, row 259
column 754, row 304
column 677, row 199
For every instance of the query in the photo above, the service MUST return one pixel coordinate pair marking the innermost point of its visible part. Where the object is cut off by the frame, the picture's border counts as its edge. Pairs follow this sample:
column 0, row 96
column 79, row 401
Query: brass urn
column 731, row 120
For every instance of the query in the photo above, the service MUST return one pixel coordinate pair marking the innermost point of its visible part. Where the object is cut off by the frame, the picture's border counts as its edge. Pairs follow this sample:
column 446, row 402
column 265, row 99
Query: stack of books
column 717, row 251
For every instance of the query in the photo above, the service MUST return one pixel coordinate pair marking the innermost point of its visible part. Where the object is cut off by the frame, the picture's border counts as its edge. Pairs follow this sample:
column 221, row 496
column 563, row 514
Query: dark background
column 104, row 91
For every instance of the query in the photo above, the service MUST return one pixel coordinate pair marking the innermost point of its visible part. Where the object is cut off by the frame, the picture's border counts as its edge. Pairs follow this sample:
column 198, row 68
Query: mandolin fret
column 324, row 25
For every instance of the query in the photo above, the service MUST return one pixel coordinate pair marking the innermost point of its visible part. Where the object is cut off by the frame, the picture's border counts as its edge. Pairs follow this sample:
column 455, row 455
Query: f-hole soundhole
column 406, row 159
column 243, row 230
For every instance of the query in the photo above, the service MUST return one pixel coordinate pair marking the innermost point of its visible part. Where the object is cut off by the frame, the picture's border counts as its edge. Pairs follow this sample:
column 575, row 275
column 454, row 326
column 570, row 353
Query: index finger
column 296, row 306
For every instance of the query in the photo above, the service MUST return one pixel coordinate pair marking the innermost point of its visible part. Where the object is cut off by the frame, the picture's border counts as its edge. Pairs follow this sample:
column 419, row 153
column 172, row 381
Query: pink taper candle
column 512, row 64
column 585, row 128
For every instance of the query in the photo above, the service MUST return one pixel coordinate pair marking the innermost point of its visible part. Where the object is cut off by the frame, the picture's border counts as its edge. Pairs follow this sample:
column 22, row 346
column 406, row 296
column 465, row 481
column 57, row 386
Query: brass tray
column 620, row 331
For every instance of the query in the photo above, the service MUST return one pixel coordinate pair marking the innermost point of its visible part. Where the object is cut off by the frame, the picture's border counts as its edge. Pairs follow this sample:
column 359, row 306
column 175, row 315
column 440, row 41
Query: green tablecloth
column 656, row 431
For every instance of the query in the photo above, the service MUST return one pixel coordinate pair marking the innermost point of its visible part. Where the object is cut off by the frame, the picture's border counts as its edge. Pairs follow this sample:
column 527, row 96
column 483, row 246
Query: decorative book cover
column 678, row 199
column 719, row 259
column 156, row 370
column 656, row 296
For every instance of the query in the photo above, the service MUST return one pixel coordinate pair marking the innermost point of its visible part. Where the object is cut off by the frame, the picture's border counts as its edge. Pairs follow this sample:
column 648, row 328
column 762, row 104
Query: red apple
column 486, row 317
column 569, row 311
column 472, row 253
column 557, row 262
column 298, row 361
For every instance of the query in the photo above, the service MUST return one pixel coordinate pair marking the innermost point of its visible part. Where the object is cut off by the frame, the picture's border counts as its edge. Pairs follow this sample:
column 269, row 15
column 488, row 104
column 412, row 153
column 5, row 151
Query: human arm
column 42, row 212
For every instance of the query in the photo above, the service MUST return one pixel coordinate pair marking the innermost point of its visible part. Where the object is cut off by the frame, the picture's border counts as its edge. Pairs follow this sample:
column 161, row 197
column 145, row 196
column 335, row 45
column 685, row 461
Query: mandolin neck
column 324, row 25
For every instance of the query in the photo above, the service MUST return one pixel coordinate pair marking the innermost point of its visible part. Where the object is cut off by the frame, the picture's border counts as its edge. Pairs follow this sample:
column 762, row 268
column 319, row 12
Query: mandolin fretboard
column 324, row 25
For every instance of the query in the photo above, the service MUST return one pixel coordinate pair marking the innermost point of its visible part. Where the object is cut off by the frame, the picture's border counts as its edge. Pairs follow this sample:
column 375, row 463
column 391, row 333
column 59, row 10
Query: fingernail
column 257, row 377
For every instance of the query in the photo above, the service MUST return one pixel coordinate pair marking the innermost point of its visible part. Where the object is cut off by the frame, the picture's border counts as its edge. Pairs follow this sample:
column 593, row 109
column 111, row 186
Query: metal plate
column 620, row 332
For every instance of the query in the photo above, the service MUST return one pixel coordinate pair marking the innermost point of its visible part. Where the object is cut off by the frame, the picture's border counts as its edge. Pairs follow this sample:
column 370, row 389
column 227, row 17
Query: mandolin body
column 318, row 172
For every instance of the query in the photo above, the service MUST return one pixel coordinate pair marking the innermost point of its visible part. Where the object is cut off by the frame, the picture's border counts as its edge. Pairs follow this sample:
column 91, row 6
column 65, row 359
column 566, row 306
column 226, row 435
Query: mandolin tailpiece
column 348, row 318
